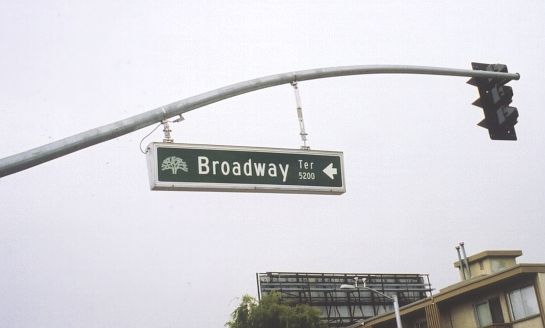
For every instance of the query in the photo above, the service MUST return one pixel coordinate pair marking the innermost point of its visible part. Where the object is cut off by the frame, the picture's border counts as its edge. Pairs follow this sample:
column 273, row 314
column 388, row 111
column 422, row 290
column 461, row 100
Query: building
column 494, row 292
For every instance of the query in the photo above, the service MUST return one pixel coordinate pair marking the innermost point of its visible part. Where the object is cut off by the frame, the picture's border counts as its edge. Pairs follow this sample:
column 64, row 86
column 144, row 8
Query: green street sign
column 174, row 166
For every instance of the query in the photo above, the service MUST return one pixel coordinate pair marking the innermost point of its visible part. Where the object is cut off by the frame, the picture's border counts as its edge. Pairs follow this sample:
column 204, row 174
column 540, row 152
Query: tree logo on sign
column 174, row 164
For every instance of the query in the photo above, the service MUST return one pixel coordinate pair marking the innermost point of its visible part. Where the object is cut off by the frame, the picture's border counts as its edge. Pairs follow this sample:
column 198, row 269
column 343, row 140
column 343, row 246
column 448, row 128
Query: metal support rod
column 302, row 132
column 42, row 154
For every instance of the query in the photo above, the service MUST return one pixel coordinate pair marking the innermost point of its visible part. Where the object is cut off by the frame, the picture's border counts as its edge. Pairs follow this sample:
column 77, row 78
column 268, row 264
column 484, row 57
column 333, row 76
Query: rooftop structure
column 340, row 306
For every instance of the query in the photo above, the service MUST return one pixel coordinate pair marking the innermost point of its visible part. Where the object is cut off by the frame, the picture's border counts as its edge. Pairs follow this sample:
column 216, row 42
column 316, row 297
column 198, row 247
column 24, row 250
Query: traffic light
column 495, row 97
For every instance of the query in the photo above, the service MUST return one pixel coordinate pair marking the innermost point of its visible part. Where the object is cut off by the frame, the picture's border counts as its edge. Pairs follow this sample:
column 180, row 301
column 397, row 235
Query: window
column 489, row 312
column 499, row 264
column 523, row 302
column 483, row 314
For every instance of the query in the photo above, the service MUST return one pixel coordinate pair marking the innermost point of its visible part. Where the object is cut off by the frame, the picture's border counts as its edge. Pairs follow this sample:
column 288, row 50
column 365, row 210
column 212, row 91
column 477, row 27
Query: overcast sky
column 85, row 243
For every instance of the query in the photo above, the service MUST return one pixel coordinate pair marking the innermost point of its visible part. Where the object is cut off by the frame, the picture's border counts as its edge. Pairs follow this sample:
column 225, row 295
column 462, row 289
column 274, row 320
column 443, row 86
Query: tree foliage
column 270, row 312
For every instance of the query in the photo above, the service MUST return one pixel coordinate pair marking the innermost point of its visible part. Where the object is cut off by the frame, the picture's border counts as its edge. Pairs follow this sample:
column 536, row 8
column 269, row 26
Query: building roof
column 495, row 253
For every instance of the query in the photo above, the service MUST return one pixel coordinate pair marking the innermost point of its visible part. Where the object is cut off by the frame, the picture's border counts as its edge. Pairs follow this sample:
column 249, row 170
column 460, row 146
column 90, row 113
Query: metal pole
column 258, row 286
column 466, row 260
column 42, row 154
column 392, row 298
column 396, row 309
column 396, row 305
column 462, row 264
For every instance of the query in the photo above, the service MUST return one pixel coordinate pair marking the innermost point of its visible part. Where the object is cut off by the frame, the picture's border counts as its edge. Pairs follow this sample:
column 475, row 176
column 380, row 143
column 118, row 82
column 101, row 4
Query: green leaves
column 270, row 312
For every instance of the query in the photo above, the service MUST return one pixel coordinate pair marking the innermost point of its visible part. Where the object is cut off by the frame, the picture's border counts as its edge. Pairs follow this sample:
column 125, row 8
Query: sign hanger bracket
column 302, row 131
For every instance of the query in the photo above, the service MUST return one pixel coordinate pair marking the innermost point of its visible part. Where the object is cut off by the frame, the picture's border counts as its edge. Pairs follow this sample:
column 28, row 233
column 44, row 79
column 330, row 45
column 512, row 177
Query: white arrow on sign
column 330, row 171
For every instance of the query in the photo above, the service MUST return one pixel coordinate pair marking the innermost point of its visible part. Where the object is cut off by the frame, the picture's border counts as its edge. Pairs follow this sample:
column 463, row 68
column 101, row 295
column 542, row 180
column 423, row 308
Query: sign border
column 155, row 184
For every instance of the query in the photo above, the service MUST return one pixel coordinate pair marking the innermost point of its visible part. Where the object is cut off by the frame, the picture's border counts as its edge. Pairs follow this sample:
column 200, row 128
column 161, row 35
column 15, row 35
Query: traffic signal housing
column 495, row 97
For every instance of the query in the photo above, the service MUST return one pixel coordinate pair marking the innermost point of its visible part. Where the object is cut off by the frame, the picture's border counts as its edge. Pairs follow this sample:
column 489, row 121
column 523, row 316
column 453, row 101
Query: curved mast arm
column 42, row 154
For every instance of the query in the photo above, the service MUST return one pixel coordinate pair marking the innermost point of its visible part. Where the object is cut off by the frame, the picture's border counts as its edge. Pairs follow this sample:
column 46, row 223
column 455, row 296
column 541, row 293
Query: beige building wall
column 445, row 319
column 489, row 262
column 531, row 323
column 541, row 289
column 490, row 265
column 461, row 315
column 505, row 307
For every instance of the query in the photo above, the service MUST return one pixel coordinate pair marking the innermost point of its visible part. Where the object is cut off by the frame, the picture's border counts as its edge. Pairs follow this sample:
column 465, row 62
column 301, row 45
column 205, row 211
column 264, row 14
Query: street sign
column 174, row 166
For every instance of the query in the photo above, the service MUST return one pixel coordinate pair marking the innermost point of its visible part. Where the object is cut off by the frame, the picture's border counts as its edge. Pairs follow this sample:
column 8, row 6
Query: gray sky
column 85, row 243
